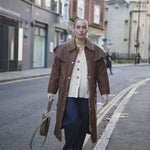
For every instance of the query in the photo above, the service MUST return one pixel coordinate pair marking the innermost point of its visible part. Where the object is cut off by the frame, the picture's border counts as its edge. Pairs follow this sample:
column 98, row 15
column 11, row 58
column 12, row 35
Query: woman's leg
column 71, row 123
column 84, row 115
column 111, row 69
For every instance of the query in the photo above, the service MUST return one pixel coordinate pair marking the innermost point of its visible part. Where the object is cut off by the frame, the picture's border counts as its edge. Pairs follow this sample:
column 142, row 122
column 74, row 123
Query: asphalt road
column 22, row 103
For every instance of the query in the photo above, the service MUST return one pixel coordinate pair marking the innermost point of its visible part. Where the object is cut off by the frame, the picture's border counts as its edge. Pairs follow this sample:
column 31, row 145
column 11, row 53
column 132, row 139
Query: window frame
column 54, row 5
column 97, row 20
column 79, row 3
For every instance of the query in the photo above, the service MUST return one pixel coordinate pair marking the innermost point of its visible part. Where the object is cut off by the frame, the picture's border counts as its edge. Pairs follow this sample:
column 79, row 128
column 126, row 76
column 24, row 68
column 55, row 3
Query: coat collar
column 88, row 44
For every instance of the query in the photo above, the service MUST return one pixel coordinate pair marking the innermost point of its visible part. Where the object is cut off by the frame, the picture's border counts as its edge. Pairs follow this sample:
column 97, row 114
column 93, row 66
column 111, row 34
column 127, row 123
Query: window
column 60, row 36
column 65, row 11
column 11, row 44
column 55, row 5
column 81, row 8
column 48, row 4
column 20, row 44
column 38, row 2
column 97, row 14
column 39, row 46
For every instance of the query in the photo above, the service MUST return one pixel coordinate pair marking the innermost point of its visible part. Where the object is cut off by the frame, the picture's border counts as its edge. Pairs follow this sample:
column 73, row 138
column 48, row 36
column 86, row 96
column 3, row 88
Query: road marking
column 107, row 108
column 104, row 140
column 113, row 95
column 101, row 114
column 99, row 103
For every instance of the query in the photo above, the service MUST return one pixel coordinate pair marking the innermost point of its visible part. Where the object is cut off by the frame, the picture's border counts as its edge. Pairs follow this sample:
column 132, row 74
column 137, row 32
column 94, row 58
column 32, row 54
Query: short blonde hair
column 76, row 20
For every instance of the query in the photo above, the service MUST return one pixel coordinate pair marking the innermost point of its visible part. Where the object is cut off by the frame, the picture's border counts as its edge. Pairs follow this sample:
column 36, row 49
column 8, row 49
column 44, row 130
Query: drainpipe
column 137, row 36
column 130, row 34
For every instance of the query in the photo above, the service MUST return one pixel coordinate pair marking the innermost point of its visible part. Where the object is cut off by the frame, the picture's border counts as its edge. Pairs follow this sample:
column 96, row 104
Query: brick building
column 94, row 12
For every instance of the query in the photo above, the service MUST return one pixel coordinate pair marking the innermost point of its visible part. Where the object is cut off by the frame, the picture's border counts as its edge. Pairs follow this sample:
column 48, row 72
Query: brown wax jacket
column 66, row 55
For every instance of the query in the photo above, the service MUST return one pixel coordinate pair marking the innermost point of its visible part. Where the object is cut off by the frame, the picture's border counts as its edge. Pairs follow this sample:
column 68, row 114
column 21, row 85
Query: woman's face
column 81, row 29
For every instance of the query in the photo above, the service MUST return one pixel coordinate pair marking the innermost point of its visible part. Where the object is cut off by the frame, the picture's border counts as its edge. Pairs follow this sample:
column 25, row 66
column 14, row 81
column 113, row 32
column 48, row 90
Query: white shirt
column 79, row 86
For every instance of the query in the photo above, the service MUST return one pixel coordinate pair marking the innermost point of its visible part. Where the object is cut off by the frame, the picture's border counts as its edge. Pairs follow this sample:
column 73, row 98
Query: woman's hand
column 50, row 97
column 104, row 99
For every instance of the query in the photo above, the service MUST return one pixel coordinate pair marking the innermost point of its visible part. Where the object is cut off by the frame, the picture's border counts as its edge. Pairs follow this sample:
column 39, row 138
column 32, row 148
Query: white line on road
column 101, row 114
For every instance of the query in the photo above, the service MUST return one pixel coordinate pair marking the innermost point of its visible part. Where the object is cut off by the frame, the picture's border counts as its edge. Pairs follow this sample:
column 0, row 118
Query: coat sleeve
column 102, row 77
column 54, row 76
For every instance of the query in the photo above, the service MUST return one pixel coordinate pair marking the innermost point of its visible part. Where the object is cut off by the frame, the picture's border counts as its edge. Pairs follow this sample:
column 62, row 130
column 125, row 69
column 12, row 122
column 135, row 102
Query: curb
column 129, row 65
column 21, row 78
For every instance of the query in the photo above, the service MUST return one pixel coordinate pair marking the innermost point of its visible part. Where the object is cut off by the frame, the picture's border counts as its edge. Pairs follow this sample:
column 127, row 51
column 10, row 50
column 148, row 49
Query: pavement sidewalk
column 24, row 74
column 132, row 130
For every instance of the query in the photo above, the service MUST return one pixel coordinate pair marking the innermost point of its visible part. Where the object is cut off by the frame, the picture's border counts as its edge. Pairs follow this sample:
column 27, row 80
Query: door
column 8, row 44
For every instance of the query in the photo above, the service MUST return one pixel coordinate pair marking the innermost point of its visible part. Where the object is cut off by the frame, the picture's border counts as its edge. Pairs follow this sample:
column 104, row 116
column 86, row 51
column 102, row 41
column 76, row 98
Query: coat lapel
column 88, row 44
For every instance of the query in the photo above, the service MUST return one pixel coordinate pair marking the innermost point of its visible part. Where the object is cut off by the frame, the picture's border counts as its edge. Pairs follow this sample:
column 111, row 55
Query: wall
column 117, row 27
column 27, row 14
column 122, row 20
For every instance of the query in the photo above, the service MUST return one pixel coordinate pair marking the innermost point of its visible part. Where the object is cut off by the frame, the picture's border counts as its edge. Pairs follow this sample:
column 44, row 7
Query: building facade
column 94, row 12
column 30, row 29
column 127, row 28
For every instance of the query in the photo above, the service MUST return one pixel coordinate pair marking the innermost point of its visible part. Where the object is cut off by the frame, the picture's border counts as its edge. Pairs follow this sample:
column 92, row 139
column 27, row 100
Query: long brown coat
column 66, row 55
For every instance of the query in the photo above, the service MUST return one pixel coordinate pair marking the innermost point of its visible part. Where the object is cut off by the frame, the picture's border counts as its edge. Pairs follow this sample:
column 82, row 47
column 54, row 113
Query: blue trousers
column 75, row 123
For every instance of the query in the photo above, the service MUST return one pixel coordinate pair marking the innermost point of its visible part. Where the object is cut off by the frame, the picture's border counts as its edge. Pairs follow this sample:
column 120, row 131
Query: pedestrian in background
column 137, row 58
column 78, row 67
column 109, row 61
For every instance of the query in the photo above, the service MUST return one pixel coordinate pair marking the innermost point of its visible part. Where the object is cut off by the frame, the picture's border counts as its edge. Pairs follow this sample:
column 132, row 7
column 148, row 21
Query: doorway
column 8, row 44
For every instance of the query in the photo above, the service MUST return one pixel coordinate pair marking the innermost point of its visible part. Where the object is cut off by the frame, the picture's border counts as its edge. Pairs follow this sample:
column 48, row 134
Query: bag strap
column 49, row 106
column 47, row 116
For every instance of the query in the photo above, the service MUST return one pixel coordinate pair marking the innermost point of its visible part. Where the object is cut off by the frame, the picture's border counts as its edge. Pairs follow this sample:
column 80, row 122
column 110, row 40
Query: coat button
column 78, row 61
column 77, row 77
column 78, row 69
column 72, row 62
column 89, row 77
column 69, row 78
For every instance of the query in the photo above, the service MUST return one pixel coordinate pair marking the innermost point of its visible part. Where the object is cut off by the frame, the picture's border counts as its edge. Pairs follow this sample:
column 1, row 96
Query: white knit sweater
column 79, row 86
